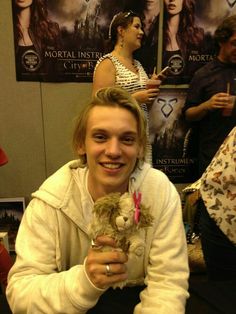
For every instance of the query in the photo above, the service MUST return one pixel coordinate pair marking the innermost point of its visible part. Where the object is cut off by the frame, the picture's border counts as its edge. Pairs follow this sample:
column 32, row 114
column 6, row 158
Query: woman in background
column 33, row 33
column 119, row 68
column 149, row 11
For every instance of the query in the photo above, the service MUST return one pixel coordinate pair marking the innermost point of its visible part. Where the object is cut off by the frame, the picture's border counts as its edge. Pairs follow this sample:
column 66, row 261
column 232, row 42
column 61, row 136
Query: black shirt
column 214, row 127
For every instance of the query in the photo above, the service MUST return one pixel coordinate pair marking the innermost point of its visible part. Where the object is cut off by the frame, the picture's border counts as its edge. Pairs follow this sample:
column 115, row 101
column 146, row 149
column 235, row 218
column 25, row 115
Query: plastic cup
column 227, row 111
column 152, row 83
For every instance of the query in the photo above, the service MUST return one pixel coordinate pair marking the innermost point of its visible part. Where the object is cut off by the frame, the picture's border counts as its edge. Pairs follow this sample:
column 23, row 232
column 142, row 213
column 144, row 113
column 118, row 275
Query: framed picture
column 4, row 239
column 11, row 212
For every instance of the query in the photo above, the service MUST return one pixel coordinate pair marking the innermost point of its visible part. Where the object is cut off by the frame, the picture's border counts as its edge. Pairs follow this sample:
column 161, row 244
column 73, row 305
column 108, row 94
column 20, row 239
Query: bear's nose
column 125, row 218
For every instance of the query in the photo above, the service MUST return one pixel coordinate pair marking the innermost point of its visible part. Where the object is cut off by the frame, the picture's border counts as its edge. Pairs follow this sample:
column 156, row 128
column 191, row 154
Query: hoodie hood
column 56, row 190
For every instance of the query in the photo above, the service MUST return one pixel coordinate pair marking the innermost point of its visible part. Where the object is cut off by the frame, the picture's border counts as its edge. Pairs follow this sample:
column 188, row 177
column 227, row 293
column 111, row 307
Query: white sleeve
column 167, row 261
column 35, row 284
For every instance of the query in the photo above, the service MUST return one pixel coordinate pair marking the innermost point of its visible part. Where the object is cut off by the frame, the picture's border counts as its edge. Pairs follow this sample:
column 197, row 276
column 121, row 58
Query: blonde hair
column 110, row 97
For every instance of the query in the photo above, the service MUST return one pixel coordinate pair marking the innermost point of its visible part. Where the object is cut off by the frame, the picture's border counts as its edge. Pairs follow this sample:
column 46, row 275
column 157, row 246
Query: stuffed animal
column 120, row 217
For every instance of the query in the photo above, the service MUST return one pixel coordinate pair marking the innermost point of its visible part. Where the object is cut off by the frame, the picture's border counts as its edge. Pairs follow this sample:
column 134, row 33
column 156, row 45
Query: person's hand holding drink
column 227, row 110
column 154, row 82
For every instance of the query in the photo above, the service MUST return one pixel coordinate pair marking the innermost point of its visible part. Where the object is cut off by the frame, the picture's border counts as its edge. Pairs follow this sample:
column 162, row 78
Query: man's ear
column 140, row 152
column 81, row 149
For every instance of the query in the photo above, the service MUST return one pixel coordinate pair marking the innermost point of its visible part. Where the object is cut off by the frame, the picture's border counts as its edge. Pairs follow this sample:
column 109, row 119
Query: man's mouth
column 111, row 166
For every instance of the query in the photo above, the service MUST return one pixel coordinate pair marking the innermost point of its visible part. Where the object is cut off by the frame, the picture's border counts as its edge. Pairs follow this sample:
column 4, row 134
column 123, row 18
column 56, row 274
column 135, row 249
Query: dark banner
column 172, row 140
column 61, row 41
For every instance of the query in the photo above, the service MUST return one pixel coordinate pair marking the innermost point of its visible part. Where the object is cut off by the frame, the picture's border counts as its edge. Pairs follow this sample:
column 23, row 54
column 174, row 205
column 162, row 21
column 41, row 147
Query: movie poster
column 70, row 36
column 210, row 13
column 188, row 35
column 172, row 140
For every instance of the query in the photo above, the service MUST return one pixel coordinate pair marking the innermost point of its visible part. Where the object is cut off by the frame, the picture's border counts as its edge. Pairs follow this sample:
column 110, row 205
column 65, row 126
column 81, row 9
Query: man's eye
column 99, row 137
column 128, row 140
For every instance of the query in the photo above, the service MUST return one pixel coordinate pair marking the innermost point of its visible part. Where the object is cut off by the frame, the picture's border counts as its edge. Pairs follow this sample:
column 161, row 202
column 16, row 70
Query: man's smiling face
column 112, row 148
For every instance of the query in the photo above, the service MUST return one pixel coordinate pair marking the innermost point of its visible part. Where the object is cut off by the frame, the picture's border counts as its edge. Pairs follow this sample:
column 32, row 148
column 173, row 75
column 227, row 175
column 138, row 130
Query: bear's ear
column 104, row 206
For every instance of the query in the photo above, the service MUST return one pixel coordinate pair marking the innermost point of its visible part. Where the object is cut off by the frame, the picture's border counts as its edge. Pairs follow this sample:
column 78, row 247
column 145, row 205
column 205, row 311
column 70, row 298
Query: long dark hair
column 41, row 26
column 188, row 34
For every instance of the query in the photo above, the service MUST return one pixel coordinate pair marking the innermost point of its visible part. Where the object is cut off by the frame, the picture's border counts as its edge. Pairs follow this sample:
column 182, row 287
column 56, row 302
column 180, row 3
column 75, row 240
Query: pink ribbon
column 137, row 200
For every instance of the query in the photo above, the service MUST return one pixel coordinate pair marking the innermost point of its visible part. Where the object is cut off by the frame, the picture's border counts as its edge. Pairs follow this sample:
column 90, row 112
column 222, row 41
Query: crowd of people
column 59, row 268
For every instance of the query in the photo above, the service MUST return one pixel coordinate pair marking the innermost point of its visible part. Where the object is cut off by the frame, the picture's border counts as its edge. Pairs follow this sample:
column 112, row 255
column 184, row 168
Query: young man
column 209, row 95
column 57, row 270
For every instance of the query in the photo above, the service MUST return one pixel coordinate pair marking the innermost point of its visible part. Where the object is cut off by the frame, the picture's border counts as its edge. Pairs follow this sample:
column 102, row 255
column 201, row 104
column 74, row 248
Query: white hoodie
column 52, row 243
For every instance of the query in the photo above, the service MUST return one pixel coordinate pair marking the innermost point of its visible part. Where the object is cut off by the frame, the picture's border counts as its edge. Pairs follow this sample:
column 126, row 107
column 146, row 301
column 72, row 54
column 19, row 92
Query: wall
column 36, row 120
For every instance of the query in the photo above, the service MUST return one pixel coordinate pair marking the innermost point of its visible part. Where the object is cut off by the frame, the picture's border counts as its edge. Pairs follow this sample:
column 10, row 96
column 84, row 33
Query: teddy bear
column 120, row 216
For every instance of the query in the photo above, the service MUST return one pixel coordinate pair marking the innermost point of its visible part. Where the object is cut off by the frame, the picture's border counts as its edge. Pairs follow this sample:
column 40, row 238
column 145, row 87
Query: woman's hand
column 105, row 268
column 149, row 94
column 146, row 96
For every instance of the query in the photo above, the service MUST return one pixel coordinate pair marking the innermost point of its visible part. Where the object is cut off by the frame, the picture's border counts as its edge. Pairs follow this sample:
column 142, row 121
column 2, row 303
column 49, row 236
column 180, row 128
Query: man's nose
column 113, row 148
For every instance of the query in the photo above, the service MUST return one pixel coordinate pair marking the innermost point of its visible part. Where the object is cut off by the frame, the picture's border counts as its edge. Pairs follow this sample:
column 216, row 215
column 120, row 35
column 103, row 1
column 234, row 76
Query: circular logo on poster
column 176, row 64
column 31, row 60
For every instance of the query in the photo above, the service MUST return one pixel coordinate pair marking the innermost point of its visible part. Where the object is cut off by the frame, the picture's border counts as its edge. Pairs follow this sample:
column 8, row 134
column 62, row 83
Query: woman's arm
column 104, row 75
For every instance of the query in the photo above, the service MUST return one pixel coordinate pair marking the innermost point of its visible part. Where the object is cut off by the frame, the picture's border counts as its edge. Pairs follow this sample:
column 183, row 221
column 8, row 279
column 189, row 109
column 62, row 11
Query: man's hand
column 105, row 268
column 218, row 101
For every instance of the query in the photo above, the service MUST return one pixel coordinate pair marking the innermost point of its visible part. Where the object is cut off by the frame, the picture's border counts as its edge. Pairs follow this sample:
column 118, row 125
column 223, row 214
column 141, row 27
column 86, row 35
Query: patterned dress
column 132, row 82
column 218, row 187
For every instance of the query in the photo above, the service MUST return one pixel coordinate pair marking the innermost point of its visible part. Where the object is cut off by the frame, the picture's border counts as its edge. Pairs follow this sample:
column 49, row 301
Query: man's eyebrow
column 98, row 129
column 124, row 133
column 130, row 133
